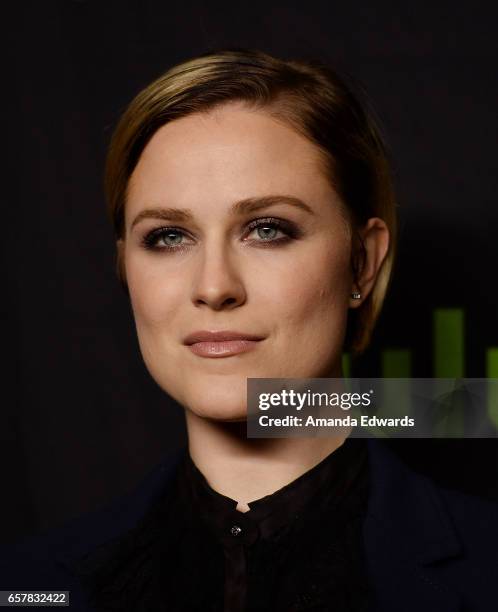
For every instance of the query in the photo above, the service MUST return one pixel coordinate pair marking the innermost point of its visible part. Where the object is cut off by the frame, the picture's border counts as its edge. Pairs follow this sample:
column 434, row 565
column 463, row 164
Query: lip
column 221, row 343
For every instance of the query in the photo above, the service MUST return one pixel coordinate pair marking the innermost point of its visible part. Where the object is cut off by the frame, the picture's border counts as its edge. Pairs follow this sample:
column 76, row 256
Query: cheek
column 154, row 296
column 307, row 307
column 316, row 286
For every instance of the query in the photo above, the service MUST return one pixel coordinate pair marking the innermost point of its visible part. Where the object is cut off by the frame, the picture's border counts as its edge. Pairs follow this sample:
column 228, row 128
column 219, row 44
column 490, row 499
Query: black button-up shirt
column 300, row 548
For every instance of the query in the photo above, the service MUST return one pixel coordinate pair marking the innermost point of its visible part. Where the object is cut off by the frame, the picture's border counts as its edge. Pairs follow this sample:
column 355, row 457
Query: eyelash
column 289, row 229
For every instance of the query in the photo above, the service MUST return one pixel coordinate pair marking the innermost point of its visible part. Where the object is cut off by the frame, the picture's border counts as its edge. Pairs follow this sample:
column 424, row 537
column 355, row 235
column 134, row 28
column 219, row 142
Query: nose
column 218, row 283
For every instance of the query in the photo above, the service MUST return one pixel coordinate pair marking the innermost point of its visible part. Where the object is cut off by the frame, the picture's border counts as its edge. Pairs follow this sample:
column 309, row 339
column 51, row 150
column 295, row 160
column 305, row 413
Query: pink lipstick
column 221, row 343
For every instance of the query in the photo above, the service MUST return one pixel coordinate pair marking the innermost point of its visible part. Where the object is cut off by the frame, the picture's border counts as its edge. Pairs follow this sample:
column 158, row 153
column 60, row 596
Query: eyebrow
column 242, row 207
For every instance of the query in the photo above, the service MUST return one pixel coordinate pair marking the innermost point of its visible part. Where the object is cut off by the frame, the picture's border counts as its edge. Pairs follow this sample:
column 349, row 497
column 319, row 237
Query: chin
column 219, row 413
column 218, row 405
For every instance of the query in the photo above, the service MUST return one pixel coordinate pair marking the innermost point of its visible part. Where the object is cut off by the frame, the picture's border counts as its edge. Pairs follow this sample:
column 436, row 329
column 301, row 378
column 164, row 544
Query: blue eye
column 266, row 230
column 172, row 235
column 164, row 239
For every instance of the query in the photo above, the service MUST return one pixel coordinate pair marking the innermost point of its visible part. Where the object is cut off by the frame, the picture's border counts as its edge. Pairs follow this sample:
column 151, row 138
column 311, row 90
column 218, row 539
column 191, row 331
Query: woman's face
column 231, row 224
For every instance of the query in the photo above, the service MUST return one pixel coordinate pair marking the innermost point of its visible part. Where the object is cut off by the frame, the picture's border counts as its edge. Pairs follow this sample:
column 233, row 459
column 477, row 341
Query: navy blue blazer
column 428, row 549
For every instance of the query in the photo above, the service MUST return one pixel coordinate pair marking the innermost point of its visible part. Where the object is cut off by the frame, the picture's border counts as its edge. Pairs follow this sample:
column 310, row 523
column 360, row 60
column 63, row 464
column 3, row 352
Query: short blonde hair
column 311, row 97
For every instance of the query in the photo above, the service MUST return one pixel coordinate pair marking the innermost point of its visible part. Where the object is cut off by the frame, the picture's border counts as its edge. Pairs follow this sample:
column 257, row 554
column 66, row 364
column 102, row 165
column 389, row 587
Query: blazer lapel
column 405, row 531
column 87, row 532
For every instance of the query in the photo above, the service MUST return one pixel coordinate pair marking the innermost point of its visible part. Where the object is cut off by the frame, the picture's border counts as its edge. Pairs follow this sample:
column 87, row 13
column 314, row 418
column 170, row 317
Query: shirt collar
column 321, row 486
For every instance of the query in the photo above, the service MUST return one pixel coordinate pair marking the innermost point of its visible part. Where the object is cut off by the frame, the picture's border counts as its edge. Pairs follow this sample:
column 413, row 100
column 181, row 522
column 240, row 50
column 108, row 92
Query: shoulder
column 472, row 567
column 475, row 519
column 441, row 544
column 42, row 561
column 413, row 500
column 397, row 484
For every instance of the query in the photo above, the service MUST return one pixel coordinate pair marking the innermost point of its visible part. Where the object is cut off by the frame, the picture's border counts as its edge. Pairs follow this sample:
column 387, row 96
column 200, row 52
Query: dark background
column 82, row 421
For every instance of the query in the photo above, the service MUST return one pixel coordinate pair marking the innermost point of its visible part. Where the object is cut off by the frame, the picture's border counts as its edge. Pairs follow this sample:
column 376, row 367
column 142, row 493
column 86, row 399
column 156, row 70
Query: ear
column 369, row 251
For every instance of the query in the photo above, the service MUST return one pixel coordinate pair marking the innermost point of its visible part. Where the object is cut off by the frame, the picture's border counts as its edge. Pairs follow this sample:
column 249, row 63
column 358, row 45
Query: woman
column 254, row 215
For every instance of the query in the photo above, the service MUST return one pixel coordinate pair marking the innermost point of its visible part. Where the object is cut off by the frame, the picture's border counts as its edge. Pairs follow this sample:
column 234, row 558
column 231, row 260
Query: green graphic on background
column 492, row 372
column 448, row 343
column 396, row 363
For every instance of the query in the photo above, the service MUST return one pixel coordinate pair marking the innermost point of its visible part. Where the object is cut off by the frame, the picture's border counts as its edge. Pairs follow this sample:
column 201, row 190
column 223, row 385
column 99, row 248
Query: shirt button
column 235, row 530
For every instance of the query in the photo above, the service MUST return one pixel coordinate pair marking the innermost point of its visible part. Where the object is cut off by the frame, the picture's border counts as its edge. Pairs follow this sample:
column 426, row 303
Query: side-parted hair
column 309, row 96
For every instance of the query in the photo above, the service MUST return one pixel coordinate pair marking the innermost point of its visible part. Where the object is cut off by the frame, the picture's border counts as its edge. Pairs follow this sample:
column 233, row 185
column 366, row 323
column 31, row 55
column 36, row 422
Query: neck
column 248, row 469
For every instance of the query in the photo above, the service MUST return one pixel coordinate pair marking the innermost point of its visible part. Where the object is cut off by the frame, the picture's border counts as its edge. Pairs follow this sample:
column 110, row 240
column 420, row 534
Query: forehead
column 227, row 154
